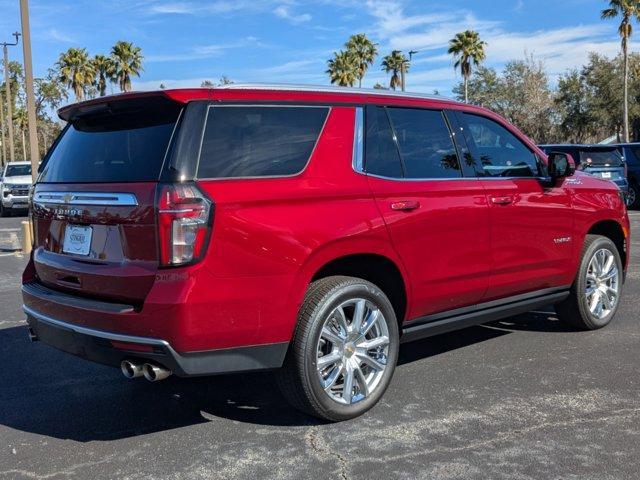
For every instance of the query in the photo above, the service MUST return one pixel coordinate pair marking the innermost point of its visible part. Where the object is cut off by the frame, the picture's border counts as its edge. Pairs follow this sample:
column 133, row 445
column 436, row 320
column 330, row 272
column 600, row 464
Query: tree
column 394, row 64
column 573, row 102
column 105, row 69
column 467, row 50
column 379, row 86
column 76, row 71
column 364, row 52
column 127, row 61
column 343, row 69
column 224, row 80
column 484, row 88
column 207, row 84
column 49, row 92
column 627, row 10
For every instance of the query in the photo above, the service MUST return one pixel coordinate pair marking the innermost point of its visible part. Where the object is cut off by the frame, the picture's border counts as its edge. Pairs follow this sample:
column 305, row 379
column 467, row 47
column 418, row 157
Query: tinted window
column 17, row 170
column 425, row 143
column 600, row 158
column 119, row 143
column 634, row 157
column 499, row 151
column 381, row 152
column 259, row 141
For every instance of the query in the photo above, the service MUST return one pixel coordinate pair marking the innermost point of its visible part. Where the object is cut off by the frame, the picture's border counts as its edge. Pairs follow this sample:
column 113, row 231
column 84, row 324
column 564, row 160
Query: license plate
column 606, row 174
column 77, row 240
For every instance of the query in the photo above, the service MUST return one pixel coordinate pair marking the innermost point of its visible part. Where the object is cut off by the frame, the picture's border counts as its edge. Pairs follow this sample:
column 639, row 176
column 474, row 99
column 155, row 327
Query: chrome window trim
column 118, row 337
column 358, row 140
column 87, row 198
column 259, row 177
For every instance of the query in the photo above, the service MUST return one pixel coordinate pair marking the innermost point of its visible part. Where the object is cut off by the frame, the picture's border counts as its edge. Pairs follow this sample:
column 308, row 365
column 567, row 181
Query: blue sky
column 187, row 41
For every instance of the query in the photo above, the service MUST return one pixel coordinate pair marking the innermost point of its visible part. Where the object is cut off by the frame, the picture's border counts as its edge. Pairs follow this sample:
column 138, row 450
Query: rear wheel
column 595, row 294
column 344, row 350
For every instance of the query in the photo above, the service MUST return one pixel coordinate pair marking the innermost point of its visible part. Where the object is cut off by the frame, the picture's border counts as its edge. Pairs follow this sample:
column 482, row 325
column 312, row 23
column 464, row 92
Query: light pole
column 5, row 53
column 2, row 137
column 34, row 152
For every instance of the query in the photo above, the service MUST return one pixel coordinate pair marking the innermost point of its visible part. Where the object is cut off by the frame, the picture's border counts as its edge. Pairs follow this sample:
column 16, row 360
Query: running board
column 482, row 313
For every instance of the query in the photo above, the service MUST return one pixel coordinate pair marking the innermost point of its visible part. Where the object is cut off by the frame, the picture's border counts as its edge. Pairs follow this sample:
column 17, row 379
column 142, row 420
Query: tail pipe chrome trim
column 155, row 373
column 131, row 369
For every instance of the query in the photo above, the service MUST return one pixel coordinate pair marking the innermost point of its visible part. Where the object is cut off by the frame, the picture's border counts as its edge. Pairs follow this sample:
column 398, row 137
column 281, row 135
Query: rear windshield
column 601, row 158
column 121, row 143
column 17, row 170
column 259, row 141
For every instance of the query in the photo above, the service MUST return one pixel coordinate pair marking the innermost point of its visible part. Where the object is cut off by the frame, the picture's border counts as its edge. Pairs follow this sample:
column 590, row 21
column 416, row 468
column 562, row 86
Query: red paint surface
column 270, row 236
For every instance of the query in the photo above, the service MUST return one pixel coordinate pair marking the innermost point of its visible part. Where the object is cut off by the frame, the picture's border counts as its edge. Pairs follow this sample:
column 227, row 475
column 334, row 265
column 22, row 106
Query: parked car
column 604, row 161
column 15, row 184
column 631, row 154
column 307, row 230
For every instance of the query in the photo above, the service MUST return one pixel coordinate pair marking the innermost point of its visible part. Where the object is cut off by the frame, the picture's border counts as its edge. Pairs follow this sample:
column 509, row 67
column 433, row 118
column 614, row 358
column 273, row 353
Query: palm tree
column 628, row 10
column 76, row 71
column 343, row 69
column 398, row 65
column 127, row 60
column 467, row 49
column 104, row 68
column 364, row 52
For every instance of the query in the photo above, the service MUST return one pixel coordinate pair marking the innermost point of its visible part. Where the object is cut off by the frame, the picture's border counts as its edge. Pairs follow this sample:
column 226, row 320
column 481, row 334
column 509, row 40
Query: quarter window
column 259, row 141
column 499, row 152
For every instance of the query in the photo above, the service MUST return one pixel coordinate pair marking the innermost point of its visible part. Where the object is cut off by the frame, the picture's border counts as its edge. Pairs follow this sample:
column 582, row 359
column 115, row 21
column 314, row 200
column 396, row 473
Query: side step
column 481, row 313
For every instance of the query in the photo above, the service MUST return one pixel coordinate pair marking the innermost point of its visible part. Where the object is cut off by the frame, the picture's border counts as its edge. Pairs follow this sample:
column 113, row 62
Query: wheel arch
column 614, row 232
column 371, row 260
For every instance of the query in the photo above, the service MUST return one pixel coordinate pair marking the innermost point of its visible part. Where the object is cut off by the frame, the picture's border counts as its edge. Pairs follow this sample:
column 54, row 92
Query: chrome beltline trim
column 87, row 198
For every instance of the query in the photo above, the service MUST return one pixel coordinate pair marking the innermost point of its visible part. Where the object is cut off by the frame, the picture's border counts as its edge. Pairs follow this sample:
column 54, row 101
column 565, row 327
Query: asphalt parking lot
column 524, row 398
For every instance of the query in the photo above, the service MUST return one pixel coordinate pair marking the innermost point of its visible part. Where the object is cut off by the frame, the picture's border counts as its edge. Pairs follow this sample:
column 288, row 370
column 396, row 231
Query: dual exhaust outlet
column 150, row 371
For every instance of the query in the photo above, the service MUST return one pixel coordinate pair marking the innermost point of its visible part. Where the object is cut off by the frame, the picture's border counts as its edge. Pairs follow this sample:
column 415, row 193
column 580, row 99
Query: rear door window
column 425, row 143
column 259, row 141
column 123, row 144
column 499, row 152
column 381, row 152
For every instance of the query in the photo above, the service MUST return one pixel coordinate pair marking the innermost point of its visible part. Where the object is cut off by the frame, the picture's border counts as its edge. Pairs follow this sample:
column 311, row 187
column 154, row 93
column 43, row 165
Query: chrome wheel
column 603, row 283
column 352, row 351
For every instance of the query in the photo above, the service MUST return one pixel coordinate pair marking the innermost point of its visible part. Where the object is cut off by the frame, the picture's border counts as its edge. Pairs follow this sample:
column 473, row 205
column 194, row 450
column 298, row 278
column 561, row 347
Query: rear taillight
column 183, row 224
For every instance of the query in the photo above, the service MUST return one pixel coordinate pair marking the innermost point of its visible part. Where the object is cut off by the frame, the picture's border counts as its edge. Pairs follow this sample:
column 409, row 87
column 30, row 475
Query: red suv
column 309, row 230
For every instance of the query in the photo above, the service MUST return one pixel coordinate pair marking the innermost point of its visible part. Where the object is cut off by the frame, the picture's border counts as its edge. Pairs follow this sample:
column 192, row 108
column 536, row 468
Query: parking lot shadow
column 51, row 393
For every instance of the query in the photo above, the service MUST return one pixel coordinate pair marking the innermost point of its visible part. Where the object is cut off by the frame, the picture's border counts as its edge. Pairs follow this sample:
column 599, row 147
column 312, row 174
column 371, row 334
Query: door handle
column 405, row 205
column 502, row 200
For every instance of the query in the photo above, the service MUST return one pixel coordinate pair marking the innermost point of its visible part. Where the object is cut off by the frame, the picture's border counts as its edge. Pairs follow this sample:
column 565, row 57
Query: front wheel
column 595, row 293
column 344, row 349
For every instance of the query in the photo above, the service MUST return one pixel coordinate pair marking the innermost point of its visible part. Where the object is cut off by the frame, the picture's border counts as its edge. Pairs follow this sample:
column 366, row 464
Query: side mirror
column 560, row 165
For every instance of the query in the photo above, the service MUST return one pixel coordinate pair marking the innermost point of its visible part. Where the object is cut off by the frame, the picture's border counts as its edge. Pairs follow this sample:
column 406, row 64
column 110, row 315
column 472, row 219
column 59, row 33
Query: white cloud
column 206, row 51
column 285, row 13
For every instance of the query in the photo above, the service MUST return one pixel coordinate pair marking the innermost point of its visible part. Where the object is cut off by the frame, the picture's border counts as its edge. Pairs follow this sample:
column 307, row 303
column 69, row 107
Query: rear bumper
column 111, row 348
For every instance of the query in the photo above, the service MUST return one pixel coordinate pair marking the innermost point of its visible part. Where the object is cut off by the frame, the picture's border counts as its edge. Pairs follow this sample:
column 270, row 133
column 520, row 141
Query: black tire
column 574, row 310
column 4, row 212
column 298, row 378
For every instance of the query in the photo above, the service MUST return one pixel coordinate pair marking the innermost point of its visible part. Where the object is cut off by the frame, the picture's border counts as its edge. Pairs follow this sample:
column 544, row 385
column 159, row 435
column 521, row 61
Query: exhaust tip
column 131, row 369
column 155, row 373
column 33, row 336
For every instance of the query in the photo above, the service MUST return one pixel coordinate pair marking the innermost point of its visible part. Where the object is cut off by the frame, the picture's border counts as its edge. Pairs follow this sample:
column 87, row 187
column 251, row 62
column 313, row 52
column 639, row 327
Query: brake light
column 183, row 224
